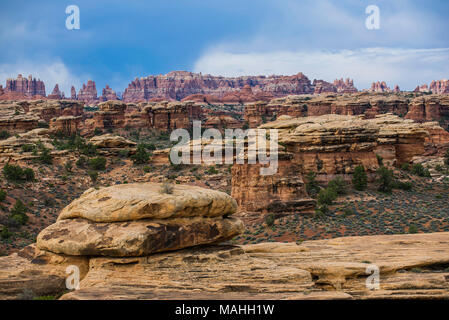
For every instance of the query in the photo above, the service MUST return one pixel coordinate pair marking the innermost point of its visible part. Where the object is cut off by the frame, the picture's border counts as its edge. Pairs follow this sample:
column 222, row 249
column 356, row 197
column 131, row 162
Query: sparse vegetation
column 141, row 156
column 17, row 174
column 419, row 170
column 98, row 163
column 385, row 180
column 18, row 212
column 359, row 179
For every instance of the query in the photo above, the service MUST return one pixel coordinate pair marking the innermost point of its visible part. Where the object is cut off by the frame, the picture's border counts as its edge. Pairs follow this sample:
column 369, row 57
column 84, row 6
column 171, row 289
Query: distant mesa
column 204, row 88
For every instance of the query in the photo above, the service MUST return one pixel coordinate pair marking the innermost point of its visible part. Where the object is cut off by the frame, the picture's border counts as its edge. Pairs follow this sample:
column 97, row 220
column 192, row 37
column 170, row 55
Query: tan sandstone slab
column 82, row 237
column 145, row 201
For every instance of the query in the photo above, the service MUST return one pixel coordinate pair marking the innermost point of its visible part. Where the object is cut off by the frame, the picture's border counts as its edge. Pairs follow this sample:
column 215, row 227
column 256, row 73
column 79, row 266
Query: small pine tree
column 385, row 180
column 141, row 156
column 18, row 212
column 359, row 179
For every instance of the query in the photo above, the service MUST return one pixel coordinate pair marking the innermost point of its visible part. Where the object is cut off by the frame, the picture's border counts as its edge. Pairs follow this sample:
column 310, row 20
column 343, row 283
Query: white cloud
column 406, row 67
column 51, row 72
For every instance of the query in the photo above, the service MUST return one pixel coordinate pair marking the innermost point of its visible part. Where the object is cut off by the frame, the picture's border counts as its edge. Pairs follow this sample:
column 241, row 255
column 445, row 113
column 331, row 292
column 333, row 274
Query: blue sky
column 325, row 39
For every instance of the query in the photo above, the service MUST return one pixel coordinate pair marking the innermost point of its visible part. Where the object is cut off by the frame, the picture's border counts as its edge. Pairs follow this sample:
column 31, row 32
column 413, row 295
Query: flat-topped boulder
column 137, row 201
column 80, row 237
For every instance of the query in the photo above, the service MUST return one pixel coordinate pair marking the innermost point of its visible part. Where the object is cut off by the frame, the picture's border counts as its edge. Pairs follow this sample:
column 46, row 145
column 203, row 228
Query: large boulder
column 148, row 201
column 138, row 219
column 80, row 237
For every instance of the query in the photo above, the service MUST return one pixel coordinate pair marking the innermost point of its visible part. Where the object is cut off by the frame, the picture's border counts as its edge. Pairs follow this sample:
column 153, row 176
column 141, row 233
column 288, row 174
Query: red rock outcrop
column 88, row 93
column 56, row 94
column 28, row 87
column 380, row 87
column 179, row 84
column 66, row 125
column 331, row 146
column 108, row 94
column 171, row 115
column 72, row 93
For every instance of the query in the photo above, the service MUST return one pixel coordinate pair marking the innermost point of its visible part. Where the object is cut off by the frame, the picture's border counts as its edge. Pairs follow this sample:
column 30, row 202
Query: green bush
column 359, row 178
column 419, row 170
column 446, row 158
column 412, row 229
column 17, row 174
column 5, row 233
column 212, row 170
column 385, row 180
column 81, row 162
column 93, row 175
column 327, row 196
column 98, row 163
column 2, row 195
column 141, row 156
column 338, row 184
column 269, row 219
column 18, row 212
column 4, row 135
column 380, row 160
column 312, row 186
column 407, row 186
column 405, row 166
column 68, row 166
column 45, row 156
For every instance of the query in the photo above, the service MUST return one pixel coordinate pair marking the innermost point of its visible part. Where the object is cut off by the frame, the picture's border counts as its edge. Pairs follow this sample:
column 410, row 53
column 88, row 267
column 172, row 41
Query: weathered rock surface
column 144, row 201
column 80, row 237
column 27, row 86
column 331, row 146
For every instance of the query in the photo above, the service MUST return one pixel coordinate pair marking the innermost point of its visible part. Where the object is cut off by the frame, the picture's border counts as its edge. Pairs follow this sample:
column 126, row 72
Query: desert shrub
column 269, row 219
column 4, row 135
column 407, row 186
column 81, row 162
column 327, row 196
column 385, row 180
column 419, row 170
column 97, row 132
column 18, row 212
column 98, row 163
column 93, row 175
column 338, row 184
column 212, row 170
column 5, row 233
column 405, row 166
column 412, row 229
column 141, row 156
column 123, row 153
column 2, row 195
column 88, row 149
column 380, row 160
column 16, row 173
column 321, row 211
column 27, row 147
column 166, row 188
column 312, row 186
column 68, row 166
column 359, row 178
column 446, row 158
column 45, row 156
column 146, row 169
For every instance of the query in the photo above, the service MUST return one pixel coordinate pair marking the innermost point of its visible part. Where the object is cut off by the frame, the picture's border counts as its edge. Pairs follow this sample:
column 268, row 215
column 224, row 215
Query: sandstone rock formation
column 108, row 94
column 319, row 269
column 139, row 219
column 15, row 119
column 72, row 93
column 421, row 108
column 56, row 94
column 331, row 146
column 66, row 125
column 180, row 84
column 88, row 93
column 29, row 87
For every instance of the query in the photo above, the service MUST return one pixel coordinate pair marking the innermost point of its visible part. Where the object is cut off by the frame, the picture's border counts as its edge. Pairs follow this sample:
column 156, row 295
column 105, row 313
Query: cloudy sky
column 325, row 39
